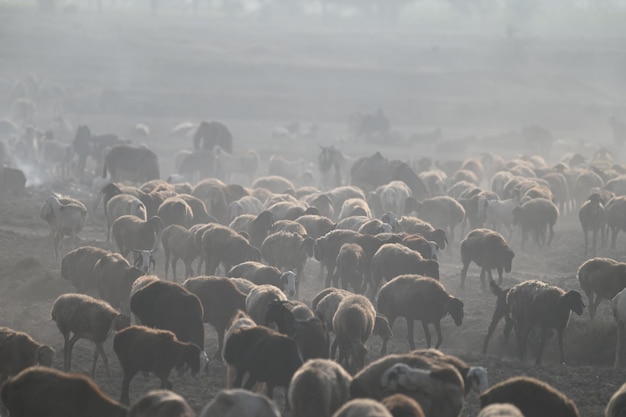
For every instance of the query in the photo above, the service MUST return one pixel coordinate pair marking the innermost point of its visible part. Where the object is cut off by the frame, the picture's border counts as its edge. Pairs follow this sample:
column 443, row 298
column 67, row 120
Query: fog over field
column 530, row 87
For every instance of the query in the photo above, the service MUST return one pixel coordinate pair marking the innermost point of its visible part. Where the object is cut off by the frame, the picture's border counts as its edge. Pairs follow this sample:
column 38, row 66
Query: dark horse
column 86, row 144
column 211, row 134
column 330, row 159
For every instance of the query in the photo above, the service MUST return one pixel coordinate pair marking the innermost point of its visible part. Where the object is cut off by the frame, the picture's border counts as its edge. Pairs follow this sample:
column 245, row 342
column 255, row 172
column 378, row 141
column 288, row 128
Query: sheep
column 535, row 216
column 500, row 410
column 616, row 217
column 77, row 266
column 437, row 387
column 18, row 351
column 316, row 226
column 353, row 222
column 288, row 250
column 602, row 278
column 266, row 355
column 240, row 320
column 489, row 250
column 243, row 285
column 326, row 302
column 220, row 300
column 274, row 183
column 531, row 396
column 296, row 321
column 114, row 278
column 427, row 248
column 175, row 210
column 160, row 403
column 400, row 405
column 393, row 196
column 168, row 306
column 223, row 245
column 592, row 218
column 200, row 213
column 353, row 324
column 288, row 226
column 355, row 207
column 319, row 388
column 618, row 306
column 178, row 243
column 339, row 195
column 322, row 202
column 418, row 298
column 327, row 248
column 286, row 210
column 259, row 299
column 130, row 232
column 140, row 348
column 260, row 274
column 240, row 403
column 120, row 205
column 443, row 212
column 87, row 318
column 535, row 303
column 501, row 311
column 41, row 391
column 363, row 407
column 258, row 228
column 394, row 259
column 414, row 225
column 616, row 405
column 66, row 217
column 500, row 213
column 245, row 205
column 350, row 267
column 374, row 226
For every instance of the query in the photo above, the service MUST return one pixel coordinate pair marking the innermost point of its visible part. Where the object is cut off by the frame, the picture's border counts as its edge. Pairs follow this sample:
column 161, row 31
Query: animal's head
column 289, row 282
column 477, row 380
column 144, row 260
column 156, row 223
column 308, row 244
column 508, row 260
column 194, row 358
column 439, row 236
column 574, row 301
column 120, row 322
column 431, row 268
column 455, row 309
column 402, row 377
column 318, row 252
column 45, row 355
column 391, row 219
column 434, row 249
column 276, row 310
column 382, row 328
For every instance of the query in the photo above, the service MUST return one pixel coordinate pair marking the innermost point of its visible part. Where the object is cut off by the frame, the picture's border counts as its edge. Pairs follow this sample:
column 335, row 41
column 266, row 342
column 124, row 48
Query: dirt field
column 120, row 69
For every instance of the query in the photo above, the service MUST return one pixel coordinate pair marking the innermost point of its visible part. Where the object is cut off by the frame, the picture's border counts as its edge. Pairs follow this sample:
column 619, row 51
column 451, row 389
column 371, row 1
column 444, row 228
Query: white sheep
column 500, row 213
column 66, row 217
column 86, row 318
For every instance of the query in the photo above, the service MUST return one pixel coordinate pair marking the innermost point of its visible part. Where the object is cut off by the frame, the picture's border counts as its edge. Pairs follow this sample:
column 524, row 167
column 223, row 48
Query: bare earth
column 124, row 69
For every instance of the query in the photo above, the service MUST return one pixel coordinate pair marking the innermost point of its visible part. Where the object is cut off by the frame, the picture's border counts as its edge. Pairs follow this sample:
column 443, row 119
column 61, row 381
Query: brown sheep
column 532, row 396
column 175, row 210
column 535, row 216
column 489, row 250
column 616, row 405
column 89, row 319
column 601, row 278
column 394, row 259
column 140, row 348
column 178, row 243
column 592, row 218
column 240, row 403
column 223, row 245
column 80, row 395
column 412, row 225
column 400, row 405
column 443, row 212
column 353, row 324
column 316, row 226
column 261, row 274
column 535, row 303
column 130, row 232
column 319, row 388
column 198, row 208
column 120, row 205
column 66, row 216
column 616, row 217
column 161, row 403
column 258, row 228
column 220, row 300
column 288, row 250
column 114, row 278
column 168, row 306
column 418, row 298
column 350, row 267
column 18, row 351
column 77, row 266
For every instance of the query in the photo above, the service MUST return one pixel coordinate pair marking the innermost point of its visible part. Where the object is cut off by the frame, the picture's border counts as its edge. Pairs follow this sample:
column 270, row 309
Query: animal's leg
column 482, row 277
column 542, row 343
column 439, row 336
column 595, row 305
column 95, row 360
column 70, row 346
column 559, row 333
column 464, row 273
column 409, row 334
column 495, row 319
column 426, row 333
column 595, row 239
column 618, row 346
column 126, row 387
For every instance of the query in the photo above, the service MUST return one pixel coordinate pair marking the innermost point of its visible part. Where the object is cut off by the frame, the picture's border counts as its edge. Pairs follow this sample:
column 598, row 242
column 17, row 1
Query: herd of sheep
column 378, row 238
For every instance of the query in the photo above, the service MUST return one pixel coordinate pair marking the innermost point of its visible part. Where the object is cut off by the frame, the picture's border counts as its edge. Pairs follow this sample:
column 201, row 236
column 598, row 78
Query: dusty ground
column 129, row 68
